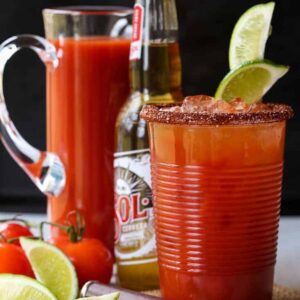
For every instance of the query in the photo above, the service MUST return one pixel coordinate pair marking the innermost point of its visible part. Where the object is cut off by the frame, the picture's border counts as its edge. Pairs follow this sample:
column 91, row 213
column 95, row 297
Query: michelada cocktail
column 217, row 165
column 217, row 176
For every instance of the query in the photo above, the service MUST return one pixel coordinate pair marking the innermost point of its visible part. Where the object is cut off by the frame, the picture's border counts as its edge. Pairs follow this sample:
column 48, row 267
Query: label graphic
column 135, row 237
column 137, row 34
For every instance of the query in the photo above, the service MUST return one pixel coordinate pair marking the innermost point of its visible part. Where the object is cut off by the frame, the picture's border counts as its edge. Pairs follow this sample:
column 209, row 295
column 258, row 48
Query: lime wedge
column 16, row 287
column 52, row 268
column 250, row 81
column 113, row 296
column 250, row 34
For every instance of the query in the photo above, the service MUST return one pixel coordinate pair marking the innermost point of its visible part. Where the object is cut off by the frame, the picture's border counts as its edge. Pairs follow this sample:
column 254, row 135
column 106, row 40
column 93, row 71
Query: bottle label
column 134, row 219
column 137, row 34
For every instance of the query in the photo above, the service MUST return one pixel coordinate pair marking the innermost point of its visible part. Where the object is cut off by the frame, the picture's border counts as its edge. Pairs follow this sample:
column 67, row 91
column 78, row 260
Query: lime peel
column 251, row 81
column 51, row 267
column 18, row 287
column 250, row 34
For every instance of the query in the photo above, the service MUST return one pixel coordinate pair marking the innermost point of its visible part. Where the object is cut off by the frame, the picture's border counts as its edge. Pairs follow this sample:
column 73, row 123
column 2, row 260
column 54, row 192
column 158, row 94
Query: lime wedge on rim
column 250, row 81
column 113, row 296
column 52, row 268
column 250, row 34
column 17, row 287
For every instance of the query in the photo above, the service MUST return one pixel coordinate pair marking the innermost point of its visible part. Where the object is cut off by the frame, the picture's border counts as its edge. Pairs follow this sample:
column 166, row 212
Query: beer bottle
column 155, row 76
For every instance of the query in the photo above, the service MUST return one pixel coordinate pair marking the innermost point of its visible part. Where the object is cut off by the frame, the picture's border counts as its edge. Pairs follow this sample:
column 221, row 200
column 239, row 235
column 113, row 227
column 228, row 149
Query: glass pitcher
column 86, row 56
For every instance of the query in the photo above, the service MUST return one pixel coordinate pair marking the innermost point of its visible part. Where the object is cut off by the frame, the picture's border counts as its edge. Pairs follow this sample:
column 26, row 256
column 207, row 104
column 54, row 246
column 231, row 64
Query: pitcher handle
column 44, row 168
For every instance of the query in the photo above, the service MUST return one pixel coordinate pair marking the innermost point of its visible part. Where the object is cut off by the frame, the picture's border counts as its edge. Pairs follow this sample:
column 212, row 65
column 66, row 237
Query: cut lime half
column 113, row 296
column 250, row 34
column 250, row 81
column 16, row 287
column 52, row 268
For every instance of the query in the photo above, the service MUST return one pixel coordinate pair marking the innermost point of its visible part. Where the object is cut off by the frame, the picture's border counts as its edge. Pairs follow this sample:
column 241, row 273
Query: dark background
column 205, row 28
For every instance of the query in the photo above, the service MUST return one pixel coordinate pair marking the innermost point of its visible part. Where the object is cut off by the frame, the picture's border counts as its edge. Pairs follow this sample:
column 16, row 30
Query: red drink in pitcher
column 84, row 95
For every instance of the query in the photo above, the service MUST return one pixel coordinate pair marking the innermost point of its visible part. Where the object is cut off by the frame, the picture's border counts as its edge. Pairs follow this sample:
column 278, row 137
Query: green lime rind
column 250, row 34
column 17, row 287
column 251, row 81
column 113, row 296
column 52, row 268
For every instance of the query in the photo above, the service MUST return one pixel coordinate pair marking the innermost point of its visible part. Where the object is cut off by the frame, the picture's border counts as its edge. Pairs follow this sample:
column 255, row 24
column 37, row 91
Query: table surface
column 288, row 258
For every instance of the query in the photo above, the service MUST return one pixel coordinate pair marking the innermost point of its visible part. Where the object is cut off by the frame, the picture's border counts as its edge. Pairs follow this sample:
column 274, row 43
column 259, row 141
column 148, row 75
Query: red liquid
column 217, row 193
column 84, row 95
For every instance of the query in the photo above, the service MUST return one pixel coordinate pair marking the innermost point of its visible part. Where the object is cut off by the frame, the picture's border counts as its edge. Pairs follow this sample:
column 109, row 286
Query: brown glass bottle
column 155, row 74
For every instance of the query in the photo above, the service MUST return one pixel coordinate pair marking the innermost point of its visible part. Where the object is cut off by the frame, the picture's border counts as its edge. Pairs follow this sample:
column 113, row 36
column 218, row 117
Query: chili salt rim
column 269, row 113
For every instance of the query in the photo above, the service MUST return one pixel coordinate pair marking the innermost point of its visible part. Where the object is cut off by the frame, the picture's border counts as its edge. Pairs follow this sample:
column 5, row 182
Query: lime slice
column 16, row 287
column 250, row 81
column 52, row 268
column 113, row 296
column 250, row 34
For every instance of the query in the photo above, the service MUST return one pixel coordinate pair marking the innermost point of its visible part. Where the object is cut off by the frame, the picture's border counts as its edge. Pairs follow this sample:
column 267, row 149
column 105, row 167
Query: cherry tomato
column 92, row 260
column 13, row 260
column 10, row 230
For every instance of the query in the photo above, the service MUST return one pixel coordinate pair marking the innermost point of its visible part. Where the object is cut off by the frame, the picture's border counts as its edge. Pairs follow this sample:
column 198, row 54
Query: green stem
column 75, row 232
column 2, row 238
column 10, row 241
column 42, row 225
column 17, row 219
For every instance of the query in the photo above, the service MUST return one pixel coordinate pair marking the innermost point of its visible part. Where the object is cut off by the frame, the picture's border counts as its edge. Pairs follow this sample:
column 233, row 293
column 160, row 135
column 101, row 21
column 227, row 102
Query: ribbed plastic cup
column 217, row 193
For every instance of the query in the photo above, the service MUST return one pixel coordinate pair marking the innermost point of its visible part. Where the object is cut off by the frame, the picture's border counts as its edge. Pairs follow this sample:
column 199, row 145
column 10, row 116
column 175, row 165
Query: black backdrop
column 205, row 28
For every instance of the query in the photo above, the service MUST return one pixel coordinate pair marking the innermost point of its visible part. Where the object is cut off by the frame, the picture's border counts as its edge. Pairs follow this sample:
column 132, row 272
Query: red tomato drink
column 217, row 188
column 84, row 95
